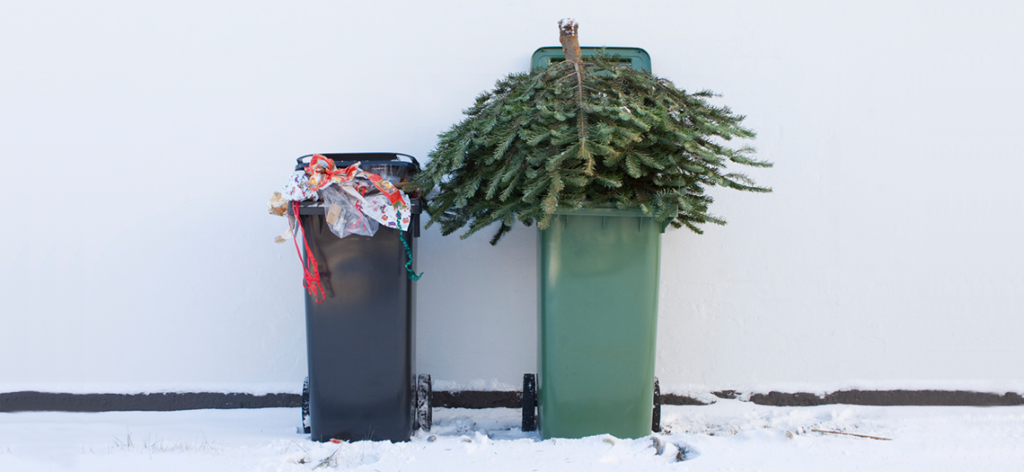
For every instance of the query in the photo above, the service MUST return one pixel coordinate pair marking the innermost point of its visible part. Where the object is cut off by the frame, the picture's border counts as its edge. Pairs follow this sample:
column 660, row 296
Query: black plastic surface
column 656, row 417
column 360, row 339
column 529, row 402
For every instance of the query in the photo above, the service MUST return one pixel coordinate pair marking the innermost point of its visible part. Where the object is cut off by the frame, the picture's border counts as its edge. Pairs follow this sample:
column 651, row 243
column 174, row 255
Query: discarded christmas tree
column 584, row 134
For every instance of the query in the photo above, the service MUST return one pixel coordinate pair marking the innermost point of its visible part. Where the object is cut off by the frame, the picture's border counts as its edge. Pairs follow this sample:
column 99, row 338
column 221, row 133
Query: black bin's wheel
column 424, row 409
column 656, row 417
column 529, row 402
column 305, row 406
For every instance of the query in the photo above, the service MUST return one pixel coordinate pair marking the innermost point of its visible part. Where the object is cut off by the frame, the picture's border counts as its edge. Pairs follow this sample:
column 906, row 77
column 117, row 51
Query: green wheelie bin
column 597, row 325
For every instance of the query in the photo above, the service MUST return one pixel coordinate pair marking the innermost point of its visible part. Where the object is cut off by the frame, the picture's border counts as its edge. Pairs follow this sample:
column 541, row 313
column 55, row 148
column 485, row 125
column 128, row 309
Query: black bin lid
column 346, row 159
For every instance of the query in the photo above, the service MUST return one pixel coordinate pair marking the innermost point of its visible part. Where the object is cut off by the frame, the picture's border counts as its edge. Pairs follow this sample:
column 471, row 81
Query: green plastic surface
column 598, row 323
column 637, row 58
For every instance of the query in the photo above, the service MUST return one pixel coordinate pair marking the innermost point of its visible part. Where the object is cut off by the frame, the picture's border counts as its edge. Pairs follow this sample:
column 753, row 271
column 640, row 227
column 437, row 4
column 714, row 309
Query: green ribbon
column 408, row 252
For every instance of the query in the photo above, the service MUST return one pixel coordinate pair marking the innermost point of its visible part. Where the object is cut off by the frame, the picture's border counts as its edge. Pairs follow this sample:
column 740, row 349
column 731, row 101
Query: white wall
column 139, row 142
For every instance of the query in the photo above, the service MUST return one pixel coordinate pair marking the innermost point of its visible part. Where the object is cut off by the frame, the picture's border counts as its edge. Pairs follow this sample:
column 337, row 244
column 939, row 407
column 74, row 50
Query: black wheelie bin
column 361, row 336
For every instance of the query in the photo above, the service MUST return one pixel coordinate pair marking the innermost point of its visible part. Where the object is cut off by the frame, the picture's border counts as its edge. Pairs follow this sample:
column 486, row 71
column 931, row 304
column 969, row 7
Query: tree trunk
column 567, row 29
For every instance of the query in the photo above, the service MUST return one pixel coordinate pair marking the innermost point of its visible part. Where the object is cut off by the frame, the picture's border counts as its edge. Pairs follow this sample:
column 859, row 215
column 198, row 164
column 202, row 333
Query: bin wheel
column 305, row 406
column 424, row 409
column 529, row 402
column 656, row 417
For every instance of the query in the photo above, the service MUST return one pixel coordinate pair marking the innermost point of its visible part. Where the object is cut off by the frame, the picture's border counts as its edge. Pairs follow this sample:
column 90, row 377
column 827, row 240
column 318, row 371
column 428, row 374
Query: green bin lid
column 637, row 58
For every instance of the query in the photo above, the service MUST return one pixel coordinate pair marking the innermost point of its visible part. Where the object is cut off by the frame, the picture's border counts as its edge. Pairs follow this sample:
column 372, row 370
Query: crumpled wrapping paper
column 344, row 193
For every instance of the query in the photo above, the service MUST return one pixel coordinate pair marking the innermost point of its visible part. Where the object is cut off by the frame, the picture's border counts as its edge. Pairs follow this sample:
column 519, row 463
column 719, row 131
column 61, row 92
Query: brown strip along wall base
column 97, row 402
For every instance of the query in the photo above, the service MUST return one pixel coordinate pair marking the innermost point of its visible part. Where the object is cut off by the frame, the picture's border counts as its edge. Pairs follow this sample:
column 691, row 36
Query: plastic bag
column 343, row 213
column 391, row 173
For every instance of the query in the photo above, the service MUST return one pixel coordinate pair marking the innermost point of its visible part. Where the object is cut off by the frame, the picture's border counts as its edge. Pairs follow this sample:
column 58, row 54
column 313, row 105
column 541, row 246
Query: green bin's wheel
column 529, row 402
column 305, row 406
column 656, row 417
column 424, row 409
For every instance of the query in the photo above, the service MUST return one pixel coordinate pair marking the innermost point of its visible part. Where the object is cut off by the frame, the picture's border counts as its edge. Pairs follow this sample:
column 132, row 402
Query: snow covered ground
column 729, row 435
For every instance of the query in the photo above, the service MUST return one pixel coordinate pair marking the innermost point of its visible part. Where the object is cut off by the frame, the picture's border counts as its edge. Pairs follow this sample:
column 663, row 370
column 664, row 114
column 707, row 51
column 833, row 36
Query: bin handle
column 375, row 156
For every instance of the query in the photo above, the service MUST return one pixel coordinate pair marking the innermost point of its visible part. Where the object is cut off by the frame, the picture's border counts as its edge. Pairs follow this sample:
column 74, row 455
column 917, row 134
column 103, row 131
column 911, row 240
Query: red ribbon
column 329, row 170
column 310, row 269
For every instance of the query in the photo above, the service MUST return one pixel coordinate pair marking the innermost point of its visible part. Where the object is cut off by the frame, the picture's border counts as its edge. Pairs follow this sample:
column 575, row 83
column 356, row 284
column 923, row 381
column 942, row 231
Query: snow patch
column 704, row 392
column 484, row 385
column 730, row 435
